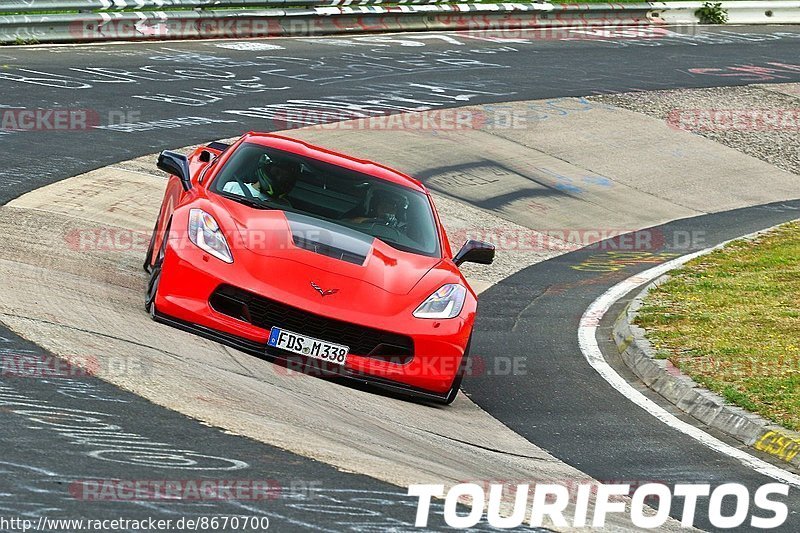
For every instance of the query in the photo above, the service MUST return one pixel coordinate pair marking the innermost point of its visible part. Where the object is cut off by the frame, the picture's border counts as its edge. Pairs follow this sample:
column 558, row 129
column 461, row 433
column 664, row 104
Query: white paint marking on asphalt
column 249, row 46
column 587, row 339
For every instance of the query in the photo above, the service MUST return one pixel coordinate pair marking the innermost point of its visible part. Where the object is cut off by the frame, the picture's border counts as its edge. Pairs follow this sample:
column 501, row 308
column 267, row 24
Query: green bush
column 712, row 13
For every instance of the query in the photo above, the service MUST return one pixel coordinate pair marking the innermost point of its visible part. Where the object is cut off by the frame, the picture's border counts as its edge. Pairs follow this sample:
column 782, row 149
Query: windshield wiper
column 244, row 200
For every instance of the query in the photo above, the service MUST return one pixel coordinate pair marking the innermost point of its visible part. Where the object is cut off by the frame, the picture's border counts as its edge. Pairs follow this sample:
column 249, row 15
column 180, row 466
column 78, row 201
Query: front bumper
column 190, row 278
column 297, row 362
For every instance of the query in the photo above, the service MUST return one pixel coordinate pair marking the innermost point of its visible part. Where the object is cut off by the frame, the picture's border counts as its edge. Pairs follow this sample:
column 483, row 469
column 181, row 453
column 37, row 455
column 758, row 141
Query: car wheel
column 155, row 279
column 459, row 377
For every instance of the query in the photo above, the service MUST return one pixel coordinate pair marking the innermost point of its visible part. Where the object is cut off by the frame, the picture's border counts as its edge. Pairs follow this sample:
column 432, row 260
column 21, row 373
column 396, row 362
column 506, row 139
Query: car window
column 273, row 179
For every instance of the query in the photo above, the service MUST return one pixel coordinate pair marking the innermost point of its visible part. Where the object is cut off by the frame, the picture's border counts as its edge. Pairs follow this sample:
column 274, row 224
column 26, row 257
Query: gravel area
column 762, row 121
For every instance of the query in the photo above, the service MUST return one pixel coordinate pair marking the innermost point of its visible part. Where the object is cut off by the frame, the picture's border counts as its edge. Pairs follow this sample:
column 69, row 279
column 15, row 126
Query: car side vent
column 330, row 251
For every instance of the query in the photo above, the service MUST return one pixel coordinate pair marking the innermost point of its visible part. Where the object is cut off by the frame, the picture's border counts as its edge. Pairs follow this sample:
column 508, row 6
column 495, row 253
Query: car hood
column 335, row 258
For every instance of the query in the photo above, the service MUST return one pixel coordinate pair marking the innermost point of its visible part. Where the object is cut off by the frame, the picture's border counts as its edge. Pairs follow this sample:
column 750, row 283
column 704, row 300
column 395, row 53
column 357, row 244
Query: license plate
column 308, row 346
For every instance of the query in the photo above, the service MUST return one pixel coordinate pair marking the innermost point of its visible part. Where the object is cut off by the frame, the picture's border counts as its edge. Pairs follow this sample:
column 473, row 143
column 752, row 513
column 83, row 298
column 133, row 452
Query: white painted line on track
column 587, row 338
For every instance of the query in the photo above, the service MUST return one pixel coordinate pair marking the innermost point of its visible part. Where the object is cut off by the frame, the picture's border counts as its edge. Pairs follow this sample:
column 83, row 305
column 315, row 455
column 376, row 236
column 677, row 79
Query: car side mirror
column 177, row 165
column 475, row 252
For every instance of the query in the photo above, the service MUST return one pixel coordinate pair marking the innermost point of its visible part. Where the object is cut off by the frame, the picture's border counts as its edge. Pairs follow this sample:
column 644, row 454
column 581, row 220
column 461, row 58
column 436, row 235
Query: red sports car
column 280, row 248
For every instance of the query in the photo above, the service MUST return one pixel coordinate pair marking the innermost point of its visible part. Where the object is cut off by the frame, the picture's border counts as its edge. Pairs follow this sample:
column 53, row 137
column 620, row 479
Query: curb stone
column 682, row 391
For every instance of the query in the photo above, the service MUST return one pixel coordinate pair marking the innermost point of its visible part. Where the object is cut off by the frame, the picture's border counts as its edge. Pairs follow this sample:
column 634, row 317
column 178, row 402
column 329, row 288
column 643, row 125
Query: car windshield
column 267, row 178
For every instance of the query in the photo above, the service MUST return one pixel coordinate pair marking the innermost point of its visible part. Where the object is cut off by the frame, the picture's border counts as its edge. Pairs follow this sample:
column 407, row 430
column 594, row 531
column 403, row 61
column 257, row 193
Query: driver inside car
column 272, row 182
column 385, row 208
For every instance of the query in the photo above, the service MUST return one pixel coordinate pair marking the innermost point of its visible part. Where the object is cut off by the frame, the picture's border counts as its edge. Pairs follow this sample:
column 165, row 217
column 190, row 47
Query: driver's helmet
column 387, row 205
column 277, row 178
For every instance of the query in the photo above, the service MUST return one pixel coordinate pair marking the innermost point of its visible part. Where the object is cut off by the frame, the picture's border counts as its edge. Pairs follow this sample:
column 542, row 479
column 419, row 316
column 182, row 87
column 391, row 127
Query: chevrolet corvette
column 291, row 251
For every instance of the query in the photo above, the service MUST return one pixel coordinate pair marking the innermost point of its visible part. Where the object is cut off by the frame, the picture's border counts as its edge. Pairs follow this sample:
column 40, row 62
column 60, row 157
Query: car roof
column 311, row 151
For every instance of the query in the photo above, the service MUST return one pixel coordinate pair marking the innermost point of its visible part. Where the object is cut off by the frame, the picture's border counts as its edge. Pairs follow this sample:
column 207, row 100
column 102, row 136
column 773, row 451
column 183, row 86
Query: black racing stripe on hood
column 329, row 239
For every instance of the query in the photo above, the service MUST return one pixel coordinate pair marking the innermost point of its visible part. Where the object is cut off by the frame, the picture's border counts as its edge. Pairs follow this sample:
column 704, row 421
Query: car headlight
column 205, row 233
column 444, row 303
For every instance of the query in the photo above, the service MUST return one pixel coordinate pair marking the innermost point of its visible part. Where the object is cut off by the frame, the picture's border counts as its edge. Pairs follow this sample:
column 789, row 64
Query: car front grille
column 266, row 313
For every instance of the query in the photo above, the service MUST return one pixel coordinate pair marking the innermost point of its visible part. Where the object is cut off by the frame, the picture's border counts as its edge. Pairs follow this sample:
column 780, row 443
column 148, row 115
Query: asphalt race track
column 48, row 469
column 137, row 79
column 568, row 409
column 149, row 97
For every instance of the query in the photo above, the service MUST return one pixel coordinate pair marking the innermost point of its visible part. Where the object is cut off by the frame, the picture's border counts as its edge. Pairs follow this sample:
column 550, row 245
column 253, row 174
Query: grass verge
column 731, row 321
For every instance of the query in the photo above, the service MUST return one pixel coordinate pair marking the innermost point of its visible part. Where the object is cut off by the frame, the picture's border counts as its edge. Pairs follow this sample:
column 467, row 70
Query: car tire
column 155, row 277
column 451, row 395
